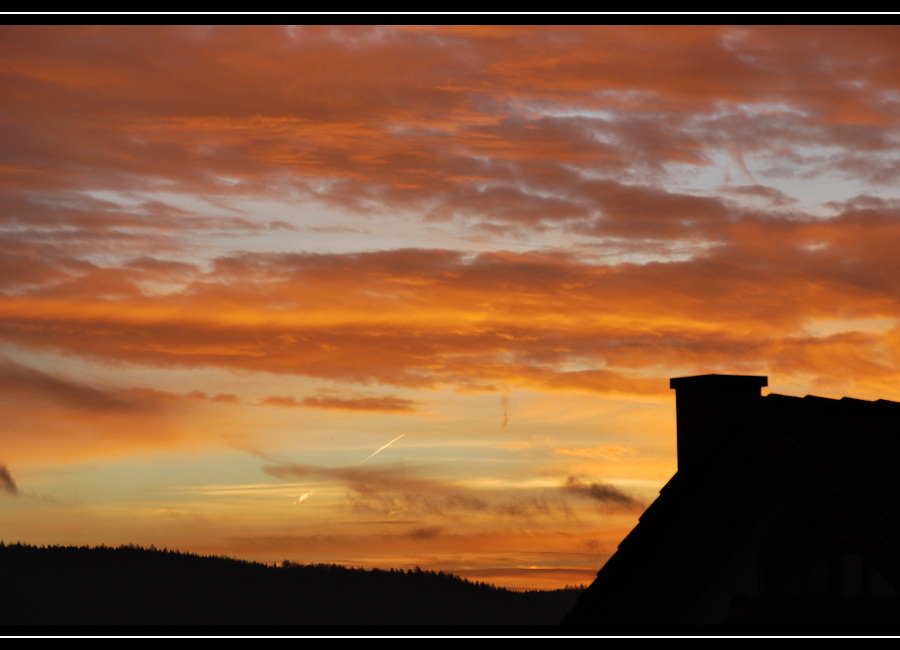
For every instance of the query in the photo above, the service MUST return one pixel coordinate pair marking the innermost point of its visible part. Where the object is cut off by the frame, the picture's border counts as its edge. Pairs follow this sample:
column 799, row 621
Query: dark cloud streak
column 608, row 497
column 7, row 484
column 385, row 403
column 398, row 488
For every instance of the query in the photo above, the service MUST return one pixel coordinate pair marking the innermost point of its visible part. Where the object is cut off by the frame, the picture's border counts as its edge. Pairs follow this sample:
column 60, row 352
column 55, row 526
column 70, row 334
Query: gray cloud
column 6, row 481
column 397, row 488
column 607, row 496
column 29, row 384
column 427, row 532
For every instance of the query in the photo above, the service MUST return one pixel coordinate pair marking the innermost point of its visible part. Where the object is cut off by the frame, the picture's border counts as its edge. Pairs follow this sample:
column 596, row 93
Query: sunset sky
column 388, row 296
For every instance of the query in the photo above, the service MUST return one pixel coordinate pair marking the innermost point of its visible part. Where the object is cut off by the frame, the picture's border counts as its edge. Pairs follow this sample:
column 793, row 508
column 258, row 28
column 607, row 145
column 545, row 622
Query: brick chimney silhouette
column 715, row 414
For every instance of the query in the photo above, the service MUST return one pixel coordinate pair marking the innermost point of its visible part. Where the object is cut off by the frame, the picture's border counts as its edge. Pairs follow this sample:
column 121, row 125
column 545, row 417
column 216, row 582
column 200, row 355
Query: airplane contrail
column 382, row 448
column 303, row 497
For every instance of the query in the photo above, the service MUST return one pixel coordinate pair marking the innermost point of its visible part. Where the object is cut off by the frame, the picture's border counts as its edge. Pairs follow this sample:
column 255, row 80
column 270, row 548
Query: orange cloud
column 28, row 386
column 515, row 110
column 604, row 452
column 387, row 403
column 418, row 318
column 55, row 417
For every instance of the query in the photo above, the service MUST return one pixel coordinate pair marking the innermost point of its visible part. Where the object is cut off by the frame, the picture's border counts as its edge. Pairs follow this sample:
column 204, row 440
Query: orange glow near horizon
column 411, row 295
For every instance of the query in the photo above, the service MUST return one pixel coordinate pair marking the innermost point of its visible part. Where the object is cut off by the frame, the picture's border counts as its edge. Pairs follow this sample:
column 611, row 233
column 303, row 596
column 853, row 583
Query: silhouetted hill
column 129, row 585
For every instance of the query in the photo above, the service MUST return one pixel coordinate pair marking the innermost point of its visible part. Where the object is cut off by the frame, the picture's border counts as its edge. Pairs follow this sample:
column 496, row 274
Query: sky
column 397, row 296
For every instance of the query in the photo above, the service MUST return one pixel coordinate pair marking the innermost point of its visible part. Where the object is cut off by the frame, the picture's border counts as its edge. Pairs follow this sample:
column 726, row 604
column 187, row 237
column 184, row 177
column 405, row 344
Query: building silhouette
column 784, row 510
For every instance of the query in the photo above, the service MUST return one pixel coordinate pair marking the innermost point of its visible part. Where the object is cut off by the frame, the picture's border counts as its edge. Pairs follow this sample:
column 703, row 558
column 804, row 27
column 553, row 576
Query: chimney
column 713, row 414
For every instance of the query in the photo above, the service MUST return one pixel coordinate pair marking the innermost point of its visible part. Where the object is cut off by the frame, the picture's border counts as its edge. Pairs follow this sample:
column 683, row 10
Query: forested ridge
column 131, row 585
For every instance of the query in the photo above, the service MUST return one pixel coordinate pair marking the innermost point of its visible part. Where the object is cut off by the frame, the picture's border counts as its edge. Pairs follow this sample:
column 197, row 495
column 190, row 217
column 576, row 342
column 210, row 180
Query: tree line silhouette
column 132, row 585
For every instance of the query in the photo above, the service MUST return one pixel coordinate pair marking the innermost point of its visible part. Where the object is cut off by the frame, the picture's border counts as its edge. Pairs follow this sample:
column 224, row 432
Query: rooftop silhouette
column 783, row 511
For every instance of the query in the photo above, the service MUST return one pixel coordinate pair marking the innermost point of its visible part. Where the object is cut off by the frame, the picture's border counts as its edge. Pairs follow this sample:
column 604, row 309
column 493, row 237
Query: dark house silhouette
column 784, row 510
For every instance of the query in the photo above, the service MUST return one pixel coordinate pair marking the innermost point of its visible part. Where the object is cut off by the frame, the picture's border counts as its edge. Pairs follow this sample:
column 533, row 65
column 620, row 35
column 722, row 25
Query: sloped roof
column 773, row 457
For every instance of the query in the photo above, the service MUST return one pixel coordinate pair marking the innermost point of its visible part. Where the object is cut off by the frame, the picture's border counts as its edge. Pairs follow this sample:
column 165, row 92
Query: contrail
column 303, row 497
column 504, row 402
column 382, row 448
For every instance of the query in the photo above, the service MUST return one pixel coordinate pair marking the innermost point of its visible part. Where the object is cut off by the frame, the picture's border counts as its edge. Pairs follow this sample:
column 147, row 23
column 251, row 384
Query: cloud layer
column 594, row 135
